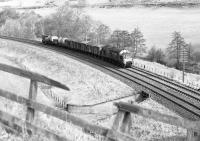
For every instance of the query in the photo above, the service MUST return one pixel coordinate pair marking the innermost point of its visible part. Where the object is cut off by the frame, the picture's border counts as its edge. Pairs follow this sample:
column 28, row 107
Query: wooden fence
column 14, row 123
column 123, row 121
column 120, row 128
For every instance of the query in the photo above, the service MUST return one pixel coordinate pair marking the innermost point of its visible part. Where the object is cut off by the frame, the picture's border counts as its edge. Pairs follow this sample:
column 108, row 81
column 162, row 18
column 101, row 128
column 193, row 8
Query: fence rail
column 16, row 124
column 119, row 131
column 123, row 120
column 32, row 76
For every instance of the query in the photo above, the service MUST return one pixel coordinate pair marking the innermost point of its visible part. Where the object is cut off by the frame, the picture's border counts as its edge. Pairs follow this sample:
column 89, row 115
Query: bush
column 23, row 27
column 156, row 55
column 8, row 14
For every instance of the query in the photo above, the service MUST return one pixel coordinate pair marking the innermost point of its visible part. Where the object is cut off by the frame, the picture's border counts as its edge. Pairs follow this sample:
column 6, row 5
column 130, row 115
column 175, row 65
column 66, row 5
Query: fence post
column 32, row 96
column 126, row 123
column 118, row 119
column 193, row 135
column 116, row 124
column 122, row 123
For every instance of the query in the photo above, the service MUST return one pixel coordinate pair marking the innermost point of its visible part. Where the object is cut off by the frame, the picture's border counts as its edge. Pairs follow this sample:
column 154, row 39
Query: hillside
column 30, row 3
column 41, row 3
column 87, row 85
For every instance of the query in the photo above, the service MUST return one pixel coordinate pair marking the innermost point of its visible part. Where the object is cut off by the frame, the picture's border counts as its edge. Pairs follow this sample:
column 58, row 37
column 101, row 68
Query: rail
column 123, row 121
column 165, row 74
column 183, row 100
column 30, row 103
column 16, row 124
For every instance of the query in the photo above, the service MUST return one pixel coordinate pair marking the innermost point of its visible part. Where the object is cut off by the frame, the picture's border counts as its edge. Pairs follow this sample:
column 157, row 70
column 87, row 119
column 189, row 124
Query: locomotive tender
column 114, row 55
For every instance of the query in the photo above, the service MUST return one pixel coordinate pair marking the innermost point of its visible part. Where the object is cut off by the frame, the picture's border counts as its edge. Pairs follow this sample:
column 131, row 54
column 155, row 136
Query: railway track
column 182, row 99
column 166, row 79
column 175, row 86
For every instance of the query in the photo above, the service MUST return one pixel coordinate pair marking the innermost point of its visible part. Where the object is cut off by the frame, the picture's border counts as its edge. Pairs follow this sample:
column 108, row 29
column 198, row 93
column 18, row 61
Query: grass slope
column 87, row 86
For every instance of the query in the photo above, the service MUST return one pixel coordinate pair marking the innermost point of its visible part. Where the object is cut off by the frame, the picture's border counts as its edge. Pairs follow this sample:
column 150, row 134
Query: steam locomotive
column 120, row 57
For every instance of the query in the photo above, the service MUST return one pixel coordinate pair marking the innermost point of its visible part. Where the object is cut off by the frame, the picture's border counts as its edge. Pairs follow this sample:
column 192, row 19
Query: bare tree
column 152, row 54
column 70, row 23
column 126, row 40
column 103, row 33
column 8, row 14
column 156, row 55
column 28, row 21
column 137, row 42
column 190, row 52
column 120, row 38
column 175, row 46
column 24, row 26
column 116, row 38
column 11, row 28
column 160, row 55
column 63, row 21
column 85, row 27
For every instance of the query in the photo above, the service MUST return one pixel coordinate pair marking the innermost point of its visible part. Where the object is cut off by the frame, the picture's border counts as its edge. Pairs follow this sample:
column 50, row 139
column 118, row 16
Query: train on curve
column 120, row 57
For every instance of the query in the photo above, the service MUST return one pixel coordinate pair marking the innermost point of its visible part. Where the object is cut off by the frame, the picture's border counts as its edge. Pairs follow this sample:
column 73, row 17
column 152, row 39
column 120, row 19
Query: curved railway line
column 166, row 79
column 180, row 98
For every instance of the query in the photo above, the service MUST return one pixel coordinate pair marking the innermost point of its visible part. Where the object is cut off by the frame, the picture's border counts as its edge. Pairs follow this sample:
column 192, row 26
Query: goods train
column 120, row 57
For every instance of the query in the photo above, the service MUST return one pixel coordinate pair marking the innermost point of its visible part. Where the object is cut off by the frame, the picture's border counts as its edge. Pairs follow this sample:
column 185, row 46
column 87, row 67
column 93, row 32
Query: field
column 87, row 86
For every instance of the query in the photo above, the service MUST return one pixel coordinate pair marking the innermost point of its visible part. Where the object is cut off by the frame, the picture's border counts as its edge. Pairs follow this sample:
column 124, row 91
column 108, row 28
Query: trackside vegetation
column 71, row 23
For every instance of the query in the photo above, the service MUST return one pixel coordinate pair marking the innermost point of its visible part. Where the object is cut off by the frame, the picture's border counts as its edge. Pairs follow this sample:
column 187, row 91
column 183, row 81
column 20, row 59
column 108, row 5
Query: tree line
column 173, row 55
column 71, row 23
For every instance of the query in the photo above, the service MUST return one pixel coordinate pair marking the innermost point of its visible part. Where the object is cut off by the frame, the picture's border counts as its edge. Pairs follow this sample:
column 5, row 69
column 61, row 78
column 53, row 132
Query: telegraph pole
column 184, row 59
column 183, row 70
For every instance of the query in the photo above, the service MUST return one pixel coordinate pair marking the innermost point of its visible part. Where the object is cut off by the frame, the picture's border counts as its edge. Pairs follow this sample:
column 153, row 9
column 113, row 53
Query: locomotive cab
column 45, row 39
column 126, row 58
